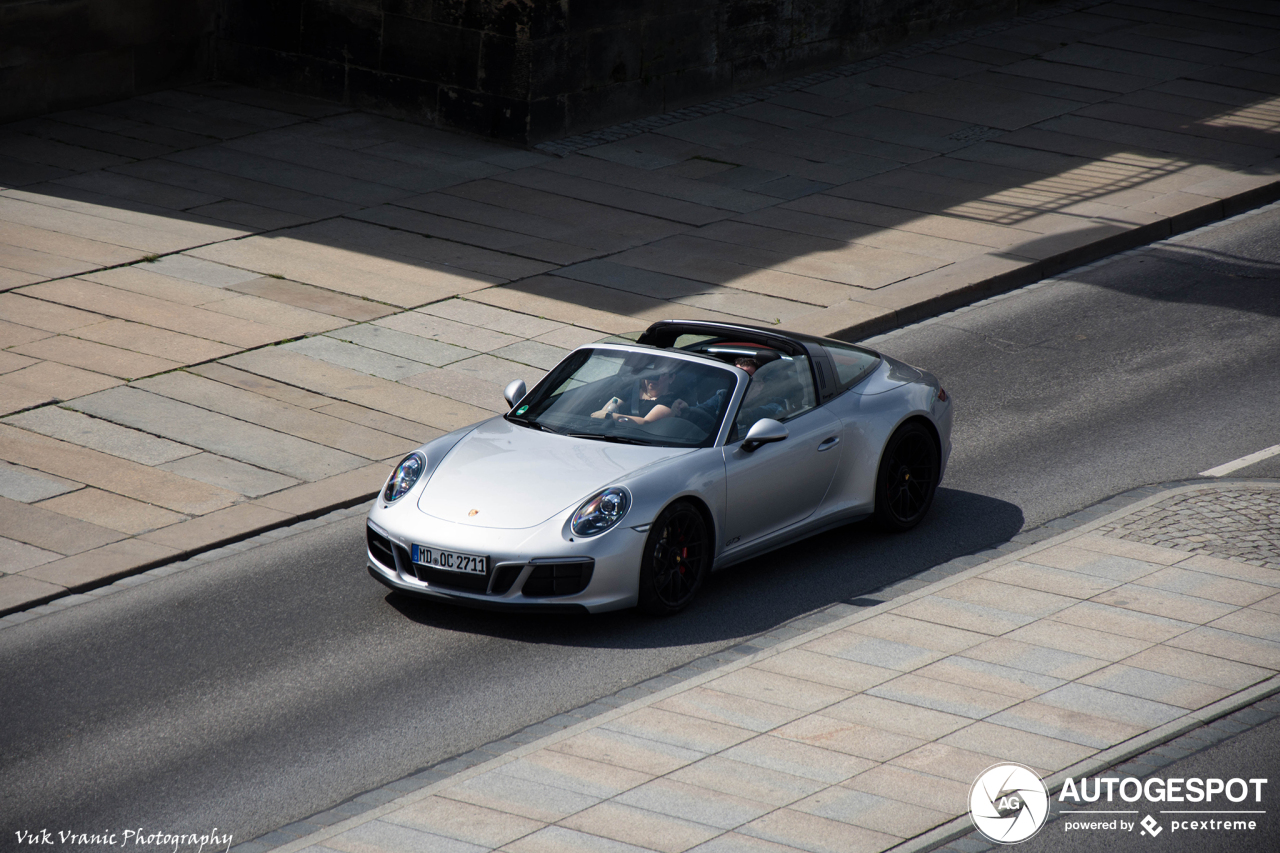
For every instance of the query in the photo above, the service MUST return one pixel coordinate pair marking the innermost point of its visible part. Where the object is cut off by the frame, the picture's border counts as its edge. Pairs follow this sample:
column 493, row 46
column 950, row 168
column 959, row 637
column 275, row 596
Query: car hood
column 509, row 477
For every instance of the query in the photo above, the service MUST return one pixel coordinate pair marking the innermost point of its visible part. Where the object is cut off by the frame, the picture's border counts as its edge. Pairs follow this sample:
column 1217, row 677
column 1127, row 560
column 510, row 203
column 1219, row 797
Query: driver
column 655, row 402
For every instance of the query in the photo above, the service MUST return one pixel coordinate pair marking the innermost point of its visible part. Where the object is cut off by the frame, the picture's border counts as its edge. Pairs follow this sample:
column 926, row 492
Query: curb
column 1249, row 202
column 373, row 804
column 181, row 556
column 179, row 563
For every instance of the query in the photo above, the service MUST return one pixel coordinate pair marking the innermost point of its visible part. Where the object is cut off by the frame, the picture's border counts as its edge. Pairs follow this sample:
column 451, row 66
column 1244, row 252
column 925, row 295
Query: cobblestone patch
column 1239, row 524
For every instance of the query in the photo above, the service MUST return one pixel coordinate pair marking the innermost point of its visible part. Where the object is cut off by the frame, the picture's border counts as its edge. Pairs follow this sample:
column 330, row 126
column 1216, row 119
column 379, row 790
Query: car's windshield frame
column 556, row 378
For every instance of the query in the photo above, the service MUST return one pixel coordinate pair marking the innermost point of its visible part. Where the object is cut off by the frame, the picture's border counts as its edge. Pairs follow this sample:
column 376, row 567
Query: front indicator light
column 405, row 475
column 600, row 512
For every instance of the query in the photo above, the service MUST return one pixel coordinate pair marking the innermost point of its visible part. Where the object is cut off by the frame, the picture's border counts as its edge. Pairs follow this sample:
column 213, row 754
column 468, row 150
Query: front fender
column 435, row 451
column 698, row 475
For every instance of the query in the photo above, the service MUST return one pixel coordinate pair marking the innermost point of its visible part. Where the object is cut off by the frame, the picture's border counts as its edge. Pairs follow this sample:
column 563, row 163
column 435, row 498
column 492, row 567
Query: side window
column 781, row 389
column 851, row 363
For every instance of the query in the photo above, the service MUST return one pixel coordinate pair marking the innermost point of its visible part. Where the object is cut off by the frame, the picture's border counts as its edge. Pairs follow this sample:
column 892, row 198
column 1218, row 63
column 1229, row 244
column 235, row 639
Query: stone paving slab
column 110, row 473
column 113, row 511
column 217, row 433
column 346, row 284
column 810, row 760
column 279, row 415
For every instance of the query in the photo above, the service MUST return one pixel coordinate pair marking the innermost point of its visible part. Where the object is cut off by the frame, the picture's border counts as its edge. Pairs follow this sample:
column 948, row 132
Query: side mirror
column 763, row 431
column 514, row 391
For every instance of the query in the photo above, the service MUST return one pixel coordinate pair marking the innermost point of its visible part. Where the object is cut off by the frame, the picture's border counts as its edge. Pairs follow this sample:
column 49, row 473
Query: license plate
column 449, row 561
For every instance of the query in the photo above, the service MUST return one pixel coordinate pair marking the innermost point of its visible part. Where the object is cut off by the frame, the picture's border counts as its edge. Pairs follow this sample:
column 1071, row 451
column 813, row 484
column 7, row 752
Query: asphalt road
column 265, row 687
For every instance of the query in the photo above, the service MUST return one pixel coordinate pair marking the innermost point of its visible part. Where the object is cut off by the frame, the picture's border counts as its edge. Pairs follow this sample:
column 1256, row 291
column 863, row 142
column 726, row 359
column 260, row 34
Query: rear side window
column 851, row 363
column 691, row 341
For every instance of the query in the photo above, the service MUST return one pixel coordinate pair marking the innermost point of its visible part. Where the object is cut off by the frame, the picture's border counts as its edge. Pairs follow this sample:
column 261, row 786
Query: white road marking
column 1242, row 462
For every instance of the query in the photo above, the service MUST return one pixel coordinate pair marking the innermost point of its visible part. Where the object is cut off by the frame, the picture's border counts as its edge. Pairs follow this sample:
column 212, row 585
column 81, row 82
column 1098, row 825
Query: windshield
column 630, row 397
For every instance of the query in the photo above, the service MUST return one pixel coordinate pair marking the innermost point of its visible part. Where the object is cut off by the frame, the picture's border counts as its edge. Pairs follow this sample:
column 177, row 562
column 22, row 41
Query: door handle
column 829, row 443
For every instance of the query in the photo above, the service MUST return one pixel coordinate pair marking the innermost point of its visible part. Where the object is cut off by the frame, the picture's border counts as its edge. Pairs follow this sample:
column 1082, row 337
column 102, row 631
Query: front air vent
column 380, row 549
column 504, row 576
column 551, row 579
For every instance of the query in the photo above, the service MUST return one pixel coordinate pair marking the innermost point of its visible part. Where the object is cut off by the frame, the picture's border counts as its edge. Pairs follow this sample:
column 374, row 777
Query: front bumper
column 538, row 569
column 481, row 603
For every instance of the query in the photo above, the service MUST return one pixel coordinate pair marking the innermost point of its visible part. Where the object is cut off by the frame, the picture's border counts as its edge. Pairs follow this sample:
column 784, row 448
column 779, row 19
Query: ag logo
column 1008, row 803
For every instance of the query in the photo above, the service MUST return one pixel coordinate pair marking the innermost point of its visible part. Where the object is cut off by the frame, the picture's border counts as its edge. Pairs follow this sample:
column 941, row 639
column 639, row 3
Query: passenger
column 705, row 413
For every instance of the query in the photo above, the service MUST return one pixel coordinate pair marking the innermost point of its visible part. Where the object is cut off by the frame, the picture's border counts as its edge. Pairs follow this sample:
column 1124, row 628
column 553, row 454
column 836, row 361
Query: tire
column 677, row 556
column 907, row 479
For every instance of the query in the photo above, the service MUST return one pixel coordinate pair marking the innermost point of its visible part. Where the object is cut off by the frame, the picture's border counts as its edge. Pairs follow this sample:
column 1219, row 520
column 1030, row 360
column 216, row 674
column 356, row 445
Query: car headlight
column 600, row 512
column 405, row 475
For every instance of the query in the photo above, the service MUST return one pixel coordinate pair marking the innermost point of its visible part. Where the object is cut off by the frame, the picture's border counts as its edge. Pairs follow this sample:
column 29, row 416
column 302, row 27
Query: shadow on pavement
column 840, row 565
column 1060, row 135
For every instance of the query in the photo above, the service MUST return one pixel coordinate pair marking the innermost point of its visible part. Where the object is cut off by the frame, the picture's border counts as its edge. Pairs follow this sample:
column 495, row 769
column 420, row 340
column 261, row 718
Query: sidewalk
column 1069, row 656
column 223, row 310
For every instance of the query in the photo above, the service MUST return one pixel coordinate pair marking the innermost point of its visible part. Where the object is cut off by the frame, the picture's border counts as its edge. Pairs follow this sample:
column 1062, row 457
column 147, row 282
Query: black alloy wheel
column 677, row 555
column 907, row 479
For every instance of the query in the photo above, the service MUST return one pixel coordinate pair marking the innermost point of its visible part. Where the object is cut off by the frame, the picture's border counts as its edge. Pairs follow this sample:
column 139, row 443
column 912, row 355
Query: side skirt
column 786, row 536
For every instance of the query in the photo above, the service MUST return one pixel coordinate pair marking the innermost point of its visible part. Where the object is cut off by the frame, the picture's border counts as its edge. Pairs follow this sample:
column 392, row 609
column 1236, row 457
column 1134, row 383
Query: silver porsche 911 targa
column 635, row 468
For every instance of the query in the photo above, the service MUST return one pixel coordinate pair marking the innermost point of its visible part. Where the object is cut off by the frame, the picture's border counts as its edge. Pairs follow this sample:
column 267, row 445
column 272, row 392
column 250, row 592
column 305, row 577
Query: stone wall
column 524, row 70
column 528, row 70
column 59, row 54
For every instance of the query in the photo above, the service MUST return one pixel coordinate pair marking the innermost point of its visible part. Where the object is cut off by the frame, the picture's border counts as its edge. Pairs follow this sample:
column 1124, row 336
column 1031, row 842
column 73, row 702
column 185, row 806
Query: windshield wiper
column 525, row 422
column 616, row 439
